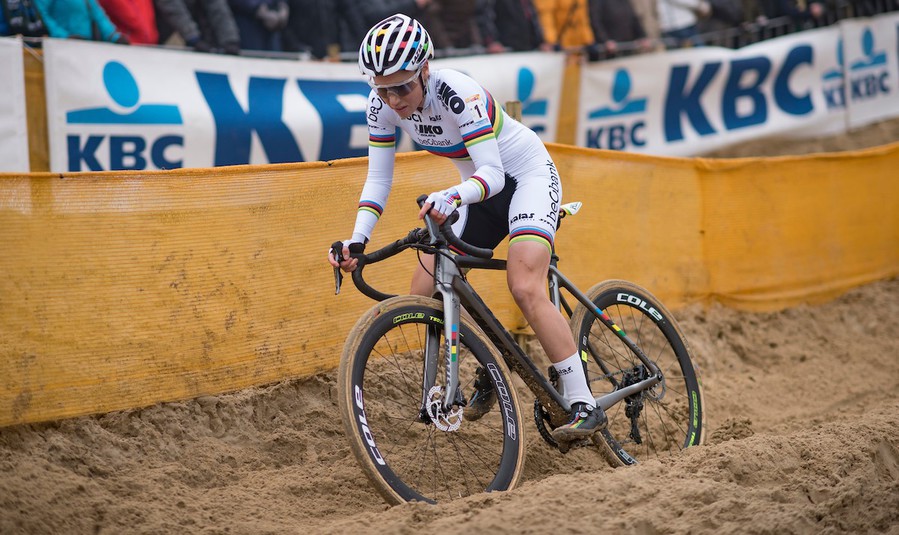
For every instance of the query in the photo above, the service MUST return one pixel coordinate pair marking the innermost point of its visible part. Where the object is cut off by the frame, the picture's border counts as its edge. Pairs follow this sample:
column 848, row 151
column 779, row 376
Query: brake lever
column 337, row 251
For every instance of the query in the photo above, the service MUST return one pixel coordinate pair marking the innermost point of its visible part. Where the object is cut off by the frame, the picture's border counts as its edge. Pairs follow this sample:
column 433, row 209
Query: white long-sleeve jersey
column 460, row 120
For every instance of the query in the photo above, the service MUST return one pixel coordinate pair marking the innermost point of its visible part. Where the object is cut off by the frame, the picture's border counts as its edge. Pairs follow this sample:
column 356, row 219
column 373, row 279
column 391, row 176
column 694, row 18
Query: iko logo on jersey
column 429, row 130
column 139, row 135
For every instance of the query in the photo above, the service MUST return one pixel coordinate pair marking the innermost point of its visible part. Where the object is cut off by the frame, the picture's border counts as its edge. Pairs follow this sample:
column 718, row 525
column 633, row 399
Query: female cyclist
column 509, row 186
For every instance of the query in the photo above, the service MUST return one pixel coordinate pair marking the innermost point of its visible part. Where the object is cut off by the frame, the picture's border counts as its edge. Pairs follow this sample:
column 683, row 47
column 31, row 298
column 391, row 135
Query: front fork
column 445, row 271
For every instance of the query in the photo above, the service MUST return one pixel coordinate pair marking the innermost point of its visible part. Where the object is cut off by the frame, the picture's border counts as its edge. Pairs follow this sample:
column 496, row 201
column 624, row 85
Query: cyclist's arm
column 381, row 152
column 476, row 119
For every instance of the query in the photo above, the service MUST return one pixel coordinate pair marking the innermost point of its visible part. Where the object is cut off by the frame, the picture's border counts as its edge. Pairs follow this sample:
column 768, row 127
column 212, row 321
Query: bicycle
column 411, row 363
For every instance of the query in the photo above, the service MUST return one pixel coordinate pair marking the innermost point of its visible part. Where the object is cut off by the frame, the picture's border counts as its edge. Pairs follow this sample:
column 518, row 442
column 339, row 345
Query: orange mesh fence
column 124, row 289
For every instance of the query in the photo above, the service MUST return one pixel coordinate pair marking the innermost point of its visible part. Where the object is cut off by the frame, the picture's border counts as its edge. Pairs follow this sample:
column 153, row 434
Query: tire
column 405, row 458
column 671, row 417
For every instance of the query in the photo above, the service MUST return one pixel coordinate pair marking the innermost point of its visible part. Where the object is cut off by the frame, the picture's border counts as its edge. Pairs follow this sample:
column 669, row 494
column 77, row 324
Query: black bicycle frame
column 465, row 295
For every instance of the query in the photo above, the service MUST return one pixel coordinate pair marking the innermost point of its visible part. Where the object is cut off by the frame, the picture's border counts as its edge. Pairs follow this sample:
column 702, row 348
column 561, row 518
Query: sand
column 803, row 437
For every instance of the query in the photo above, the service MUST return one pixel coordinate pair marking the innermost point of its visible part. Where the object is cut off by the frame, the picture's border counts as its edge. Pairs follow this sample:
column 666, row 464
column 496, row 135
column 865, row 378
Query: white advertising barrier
column 871, row 68
column 13, row 120
column 123, row 107
column 690, row 102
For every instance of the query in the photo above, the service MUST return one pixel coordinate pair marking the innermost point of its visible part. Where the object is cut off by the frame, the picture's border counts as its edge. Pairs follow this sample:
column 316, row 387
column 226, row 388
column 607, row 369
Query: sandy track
column 803, row 412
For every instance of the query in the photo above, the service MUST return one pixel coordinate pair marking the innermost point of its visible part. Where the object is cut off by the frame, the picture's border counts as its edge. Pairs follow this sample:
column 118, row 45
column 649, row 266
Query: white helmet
column 397, row 43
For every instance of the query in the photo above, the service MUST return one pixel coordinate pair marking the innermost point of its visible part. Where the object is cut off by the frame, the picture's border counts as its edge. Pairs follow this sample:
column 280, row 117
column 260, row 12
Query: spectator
column 259, row 23
column 798, row 10
column 205, row 25
column 373, row 11
column 378, row 10
column 615, row 21
column 649, row 18
column 724, row 23
column 318, row 26
column 566, row 23
column 511, row 24
column 78, row 19
column 678, row 21
column 454, row 23
column 723, row 14
column 865, row 8
column 21, row 17
column 136, row 19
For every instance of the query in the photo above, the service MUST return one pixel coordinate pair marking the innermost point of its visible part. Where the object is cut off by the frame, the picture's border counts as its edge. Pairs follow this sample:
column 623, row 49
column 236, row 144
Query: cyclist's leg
column 532, row 225
column 533, row 216
column 527, row 268
column 422, row 278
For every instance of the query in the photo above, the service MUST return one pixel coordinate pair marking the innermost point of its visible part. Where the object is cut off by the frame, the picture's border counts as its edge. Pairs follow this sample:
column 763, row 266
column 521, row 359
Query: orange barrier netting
column 124, row 289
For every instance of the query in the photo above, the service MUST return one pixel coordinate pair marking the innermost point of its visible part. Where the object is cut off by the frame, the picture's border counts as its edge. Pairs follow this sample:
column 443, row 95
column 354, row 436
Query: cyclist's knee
column 527, row 267
column 527, row 290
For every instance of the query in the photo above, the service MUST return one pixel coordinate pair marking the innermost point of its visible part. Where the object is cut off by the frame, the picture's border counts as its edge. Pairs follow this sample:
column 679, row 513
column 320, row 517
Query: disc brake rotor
column 444, row 421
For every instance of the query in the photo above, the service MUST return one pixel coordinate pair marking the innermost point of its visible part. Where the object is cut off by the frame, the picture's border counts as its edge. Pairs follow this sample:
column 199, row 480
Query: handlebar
column 431, row 237
column 447, row 231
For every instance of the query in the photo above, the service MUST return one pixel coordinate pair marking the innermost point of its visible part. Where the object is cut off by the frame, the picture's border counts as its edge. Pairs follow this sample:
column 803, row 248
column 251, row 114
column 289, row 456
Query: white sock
column 574, row 382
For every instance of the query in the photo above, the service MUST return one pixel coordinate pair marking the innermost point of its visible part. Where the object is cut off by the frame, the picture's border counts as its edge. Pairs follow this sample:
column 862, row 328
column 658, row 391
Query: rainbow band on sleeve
column 481, row 134
column 385, row 141
column 482, row 186
column 371, row 207
column 532, row 234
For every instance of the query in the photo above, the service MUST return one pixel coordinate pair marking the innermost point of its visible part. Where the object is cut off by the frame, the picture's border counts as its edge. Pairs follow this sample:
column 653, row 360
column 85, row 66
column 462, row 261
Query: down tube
column 503, row 340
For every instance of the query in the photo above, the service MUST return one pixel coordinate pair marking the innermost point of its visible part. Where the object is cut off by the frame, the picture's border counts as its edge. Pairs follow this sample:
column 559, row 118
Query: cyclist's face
column 402, row 91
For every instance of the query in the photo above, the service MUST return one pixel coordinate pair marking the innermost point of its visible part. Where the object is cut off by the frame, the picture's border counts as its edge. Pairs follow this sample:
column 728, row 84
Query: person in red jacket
column 135, row 19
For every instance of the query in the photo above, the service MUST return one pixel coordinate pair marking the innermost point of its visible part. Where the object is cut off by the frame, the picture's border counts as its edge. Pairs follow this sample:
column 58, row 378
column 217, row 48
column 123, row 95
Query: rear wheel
column 656, row 422
column 413, row 451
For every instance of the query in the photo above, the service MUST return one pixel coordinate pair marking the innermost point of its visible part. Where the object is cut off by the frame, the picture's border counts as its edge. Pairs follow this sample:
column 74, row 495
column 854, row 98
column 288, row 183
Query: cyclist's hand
column 346, row 263
column 439, row 205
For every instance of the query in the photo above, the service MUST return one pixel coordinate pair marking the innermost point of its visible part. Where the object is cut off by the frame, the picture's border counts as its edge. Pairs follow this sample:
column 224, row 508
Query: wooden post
column 513, row 108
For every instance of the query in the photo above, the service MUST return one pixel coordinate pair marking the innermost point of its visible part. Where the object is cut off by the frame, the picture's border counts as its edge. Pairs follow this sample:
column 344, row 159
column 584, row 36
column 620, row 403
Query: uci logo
column 144, row 133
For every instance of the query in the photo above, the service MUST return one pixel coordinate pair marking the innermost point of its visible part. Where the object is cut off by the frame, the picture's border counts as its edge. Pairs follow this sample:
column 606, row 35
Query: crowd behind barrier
column 332, row 29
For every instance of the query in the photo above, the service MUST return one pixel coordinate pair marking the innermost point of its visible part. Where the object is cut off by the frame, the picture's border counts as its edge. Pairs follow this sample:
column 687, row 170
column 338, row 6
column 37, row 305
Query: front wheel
column 408, row 448
column 655, row 422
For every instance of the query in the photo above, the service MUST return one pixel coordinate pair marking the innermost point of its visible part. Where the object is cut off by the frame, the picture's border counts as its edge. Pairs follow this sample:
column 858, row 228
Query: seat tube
column 553, row 280
column 444, row 271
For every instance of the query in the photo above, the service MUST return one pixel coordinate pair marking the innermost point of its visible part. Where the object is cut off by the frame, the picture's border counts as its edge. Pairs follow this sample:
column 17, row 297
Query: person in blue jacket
column 21, row 17
column 78, row 19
